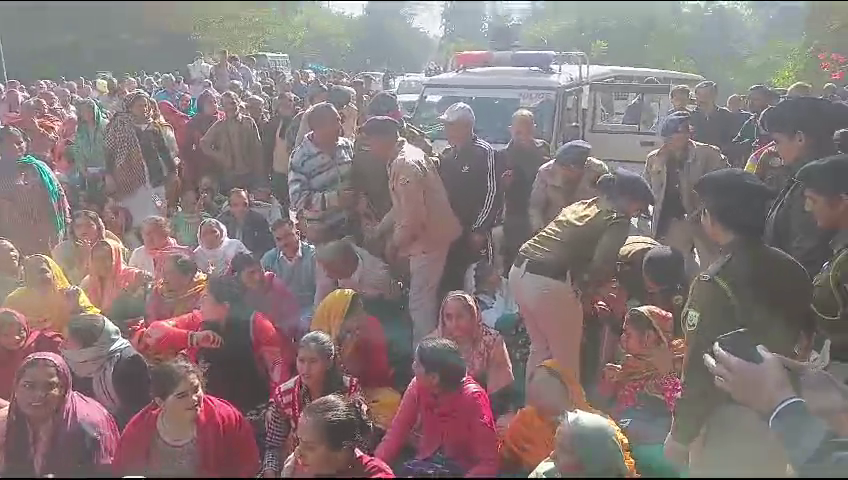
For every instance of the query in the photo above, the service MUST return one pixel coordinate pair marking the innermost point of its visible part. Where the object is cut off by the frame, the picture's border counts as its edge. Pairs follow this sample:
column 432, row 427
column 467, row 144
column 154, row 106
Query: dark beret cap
column 827, row 176
column 732, row 186
column 675, row 123
column 381, row 126
column 573, row 154
column 624, row 183
column 384, row 103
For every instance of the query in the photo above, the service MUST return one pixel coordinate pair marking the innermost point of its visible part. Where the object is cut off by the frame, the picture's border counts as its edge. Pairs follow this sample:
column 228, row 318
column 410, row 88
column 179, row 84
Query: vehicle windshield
column 409, row 86
column 492, row 111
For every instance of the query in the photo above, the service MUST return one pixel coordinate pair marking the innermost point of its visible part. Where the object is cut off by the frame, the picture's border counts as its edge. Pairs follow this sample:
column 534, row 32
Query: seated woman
column 73, row 254
column 363, row 351
column 529, row 438
column 236, row 346
column 157, row 246
column 47, row 300
column 215, row 250
column 186, row 433
column 53, row 430
column 10, row 268
column 179, row 290
column 457, row 431
column 333, row 428
column 482, row 348
column 106, row 367
column 269, row 295
column 317, row 375
column 119, row 291
column 18, row 341
column 643, row 389
column 587, row 445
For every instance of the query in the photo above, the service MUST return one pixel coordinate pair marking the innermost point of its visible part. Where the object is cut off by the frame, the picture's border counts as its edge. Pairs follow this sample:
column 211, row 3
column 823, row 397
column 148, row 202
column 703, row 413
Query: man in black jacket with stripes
column 468, row 172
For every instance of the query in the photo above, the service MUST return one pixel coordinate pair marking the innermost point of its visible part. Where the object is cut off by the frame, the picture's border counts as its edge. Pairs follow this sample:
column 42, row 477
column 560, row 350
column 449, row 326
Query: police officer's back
column 751, row 286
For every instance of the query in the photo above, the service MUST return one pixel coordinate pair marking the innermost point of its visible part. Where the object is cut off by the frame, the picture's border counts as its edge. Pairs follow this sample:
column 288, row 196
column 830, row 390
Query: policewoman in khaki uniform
column 752, row 286
column 576, row 252
column 825, row 184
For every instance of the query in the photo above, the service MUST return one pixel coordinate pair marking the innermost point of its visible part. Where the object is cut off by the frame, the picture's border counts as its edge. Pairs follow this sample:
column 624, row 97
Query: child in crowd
column 186, row 221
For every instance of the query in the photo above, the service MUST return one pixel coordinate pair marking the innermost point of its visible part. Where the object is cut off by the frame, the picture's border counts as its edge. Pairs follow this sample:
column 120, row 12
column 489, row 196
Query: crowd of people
column 242, row 274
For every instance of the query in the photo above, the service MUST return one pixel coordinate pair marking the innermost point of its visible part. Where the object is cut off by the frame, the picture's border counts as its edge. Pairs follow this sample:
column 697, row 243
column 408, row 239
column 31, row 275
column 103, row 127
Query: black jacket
column 255, row 233
column 470, row 178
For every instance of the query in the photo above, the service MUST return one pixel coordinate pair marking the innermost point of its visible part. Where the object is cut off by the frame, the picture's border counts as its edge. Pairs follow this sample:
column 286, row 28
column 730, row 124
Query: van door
column 623, row 119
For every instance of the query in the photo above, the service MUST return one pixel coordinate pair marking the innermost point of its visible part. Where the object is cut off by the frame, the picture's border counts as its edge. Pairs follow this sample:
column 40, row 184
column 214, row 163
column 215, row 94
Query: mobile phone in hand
column 741, row 344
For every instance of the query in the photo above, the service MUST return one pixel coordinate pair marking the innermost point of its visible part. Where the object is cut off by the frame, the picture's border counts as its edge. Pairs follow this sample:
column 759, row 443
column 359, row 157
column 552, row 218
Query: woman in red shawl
column 186, row 433
column 17, row 342
column 53, row 430
column 195, row 163
column 178, row 121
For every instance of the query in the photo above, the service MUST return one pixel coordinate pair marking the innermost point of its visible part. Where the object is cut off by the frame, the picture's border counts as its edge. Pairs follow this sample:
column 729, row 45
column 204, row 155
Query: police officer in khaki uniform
column 570, row 177
column 369, row 175
column 576, row 252
column 752, row 286
column 825, row 185
column 421, row 225
column 672, row 170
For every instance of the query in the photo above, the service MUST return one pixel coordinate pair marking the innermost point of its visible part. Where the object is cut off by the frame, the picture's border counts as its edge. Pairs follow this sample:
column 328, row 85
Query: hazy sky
column 428, row 14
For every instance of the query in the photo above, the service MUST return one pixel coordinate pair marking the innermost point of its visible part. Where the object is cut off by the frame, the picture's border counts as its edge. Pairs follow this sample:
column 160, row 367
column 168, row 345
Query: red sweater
column 459, row 423
column 272, row 357
column 225, row 441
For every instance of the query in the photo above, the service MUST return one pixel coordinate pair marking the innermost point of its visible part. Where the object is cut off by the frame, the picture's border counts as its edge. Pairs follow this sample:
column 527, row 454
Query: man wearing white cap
column 467, row 168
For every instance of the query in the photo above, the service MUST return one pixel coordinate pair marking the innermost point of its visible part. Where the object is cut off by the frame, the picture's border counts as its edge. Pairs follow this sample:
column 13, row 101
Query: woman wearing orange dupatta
column 119, row 291
column 529, row 439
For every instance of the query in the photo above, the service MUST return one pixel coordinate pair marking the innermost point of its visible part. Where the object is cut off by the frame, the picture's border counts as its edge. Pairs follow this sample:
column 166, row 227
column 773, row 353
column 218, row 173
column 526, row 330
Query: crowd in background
column 235, row 272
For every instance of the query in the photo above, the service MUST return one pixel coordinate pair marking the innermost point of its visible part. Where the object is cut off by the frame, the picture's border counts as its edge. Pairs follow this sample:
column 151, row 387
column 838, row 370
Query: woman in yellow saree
column 47, row 299
column 363, row 351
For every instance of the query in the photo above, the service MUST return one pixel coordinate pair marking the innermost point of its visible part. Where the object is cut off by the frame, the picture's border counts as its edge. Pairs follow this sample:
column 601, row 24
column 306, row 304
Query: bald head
column 338, row 259
column 523, row 127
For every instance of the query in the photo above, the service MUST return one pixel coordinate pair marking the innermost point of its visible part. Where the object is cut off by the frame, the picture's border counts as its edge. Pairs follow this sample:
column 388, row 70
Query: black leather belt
column 541, row 268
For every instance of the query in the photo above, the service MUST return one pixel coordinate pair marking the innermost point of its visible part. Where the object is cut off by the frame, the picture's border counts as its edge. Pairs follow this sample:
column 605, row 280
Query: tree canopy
column 736, row 43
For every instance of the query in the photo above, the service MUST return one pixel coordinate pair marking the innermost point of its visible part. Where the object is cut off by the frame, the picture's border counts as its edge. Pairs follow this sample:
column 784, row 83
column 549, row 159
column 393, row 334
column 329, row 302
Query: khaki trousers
column 553, row 316
column 736, row 442
column 425, row 271
column 688, row 237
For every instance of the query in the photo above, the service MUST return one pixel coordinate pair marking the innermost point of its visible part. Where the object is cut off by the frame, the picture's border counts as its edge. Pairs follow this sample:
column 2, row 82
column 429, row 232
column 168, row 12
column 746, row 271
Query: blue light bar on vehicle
column 526, row 59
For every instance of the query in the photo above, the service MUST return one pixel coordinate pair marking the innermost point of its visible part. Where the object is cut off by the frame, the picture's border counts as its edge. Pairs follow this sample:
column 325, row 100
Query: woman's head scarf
column 77, row 422
column 98, row 361
column 331, row 312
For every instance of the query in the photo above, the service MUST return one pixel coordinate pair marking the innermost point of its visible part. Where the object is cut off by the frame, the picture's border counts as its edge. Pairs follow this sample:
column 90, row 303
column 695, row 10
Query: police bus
column 570, row 98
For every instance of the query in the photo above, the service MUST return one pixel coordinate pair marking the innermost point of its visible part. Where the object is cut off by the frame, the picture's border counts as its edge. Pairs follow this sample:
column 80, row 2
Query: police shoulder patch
column 404, row 181
column 691, row 319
